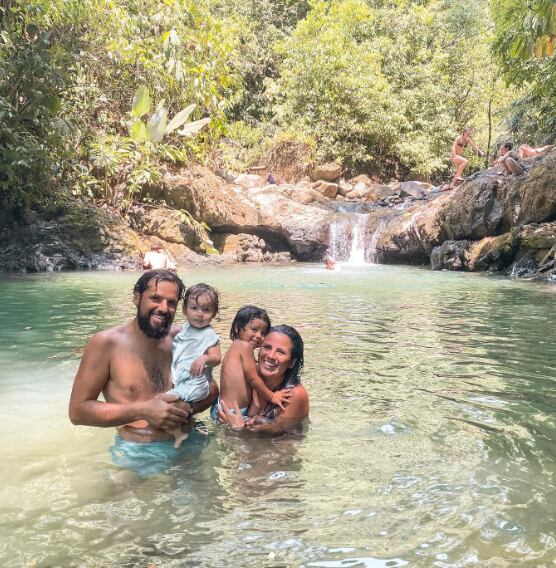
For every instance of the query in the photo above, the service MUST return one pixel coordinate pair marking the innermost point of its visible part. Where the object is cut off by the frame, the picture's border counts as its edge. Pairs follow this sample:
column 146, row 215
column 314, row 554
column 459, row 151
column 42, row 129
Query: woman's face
column 275, row 357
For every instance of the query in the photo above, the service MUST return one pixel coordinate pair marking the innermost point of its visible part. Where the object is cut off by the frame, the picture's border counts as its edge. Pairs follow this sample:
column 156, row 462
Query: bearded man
column 130, row 364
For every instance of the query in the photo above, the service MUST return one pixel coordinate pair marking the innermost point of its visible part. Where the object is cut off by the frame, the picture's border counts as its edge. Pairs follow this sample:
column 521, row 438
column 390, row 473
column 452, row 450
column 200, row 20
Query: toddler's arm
column 211, row 358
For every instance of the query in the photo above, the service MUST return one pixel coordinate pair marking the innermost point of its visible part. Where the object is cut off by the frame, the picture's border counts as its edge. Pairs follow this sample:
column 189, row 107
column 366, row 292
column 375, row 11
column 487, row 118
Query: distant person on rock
column 329, row 263
column 456, row 157
column 509, row 160
column 526, row 151
column 158, row 258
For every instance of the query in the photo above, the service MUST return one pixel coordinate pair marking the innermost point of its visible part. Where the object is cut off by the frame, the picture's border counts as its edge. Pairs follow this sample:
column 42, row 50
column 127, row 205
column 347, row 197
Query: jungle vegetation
column 382, row 86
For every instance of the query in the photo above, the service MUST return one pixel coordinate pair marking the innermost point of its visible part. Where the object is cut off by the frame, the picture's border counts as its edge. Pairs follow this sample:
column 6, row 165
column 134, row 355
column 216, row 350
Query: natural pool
column 431, row 441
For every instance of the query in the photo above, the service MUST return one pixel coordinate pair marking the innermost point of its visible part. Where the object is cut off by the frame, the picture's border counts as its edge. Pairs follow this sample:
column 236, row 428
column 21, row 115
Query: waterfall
column 347, row 239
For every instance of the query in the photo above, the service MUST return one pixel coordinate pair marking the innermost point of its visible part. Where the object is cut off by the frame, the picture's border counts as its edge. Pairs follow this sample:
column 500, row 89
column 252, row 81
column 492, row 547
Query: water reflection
column 431, row 440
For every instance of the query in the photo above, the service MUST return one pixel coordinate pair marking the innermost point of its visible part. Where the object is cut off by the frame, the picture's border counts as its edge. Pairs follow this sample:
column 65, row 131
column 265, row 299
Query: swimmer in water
column 239, row 376
column 131, row 365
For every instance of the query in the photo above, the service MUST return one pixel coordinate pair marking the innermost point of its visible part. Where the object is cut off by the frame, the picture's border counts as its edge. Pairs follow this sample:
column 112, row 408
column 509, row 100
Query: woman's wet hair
column 197, row 290
column 508, row 145
column 292, row 375
column 244, row 316
column 158, row 275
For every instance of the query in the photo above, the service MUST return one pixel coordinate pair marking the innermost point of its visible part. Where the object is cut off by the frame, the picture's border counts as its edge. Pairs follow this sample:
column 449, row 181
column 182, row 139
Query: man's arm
column 92, row 376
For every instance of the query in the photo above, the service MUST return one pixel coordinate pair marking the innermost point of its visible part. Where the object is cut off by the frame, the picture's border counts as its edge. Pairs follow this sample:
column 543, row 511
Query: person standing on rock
column 456, row 157
column 158, row 258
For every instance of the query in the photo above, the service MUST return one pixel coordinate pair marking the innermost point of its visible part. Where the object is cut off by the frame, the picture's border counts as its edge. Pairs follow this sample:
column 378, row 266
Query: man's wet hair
column 508, row 145
column 159, row 275
column 292, row 375
column 244, row 316
column 197, row 290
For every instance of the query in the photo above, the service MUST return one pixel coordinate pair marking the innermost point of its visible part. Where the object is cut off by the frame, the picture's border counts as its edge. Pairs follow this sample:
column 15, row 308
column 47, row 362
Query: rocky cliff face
column 490, row 222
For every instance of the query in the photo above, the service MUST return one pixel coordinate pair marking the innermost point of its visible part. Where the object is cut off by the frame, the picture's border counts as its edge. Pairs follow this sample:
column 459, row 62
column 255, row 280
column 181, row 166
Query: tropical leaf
column 180, row 118
column 141, row 102
column 157, row 126
column 138, row 131
column 193, row 127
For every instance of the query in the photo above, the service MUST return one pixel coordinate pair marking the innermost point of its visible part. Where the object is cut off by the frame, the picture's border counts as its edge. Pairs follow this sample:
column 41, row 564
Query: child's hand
column 198, row 366
column 281, row 398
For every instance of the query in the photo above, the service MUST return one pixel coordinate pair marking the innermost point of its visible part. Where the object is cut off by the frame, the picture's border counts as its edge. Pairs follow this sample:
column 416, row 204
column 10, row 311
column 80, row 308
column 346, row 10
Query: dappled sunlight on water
column 431, row 439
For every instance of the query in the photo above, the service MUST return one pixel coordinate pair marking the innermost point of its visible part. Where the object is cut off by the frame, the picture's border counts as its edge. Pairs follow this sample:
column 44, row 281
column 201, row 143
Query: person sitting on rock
column 456, row 157
column 158, row 258
column 509, row 160
column 526, row 151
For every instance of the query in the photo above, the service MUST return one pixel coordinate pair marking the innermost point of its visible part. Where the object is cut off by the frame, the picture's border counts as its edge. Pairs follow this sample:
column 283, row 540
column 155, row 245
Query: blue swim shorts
column 151, row 458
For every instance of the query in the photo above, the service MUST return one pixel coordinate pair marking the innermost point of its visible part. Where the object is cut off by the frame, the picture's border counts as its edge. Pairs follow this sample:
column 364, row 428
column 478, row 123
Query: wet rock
column 344, row 188
column 247, row 181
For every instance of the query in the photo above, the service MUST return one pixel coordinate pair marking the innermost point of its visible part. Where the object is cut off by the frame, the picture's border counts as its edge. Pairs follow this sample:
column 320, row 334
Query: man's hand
column 198, row 366
column 160, row 413
column 281, row 398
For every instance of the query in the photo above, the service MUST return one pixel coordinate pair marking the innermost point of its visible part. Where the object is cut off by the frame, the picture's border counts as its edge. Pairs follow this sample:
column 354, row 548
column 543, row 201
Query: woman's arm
column 287, row 420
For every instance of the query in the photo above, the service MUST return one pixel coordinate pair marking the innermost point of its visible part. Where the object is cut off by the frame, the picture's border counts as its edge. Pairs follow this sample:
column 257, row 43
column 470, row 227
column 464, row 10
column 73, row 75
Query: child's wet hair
column 244, row 316
column 197, row 290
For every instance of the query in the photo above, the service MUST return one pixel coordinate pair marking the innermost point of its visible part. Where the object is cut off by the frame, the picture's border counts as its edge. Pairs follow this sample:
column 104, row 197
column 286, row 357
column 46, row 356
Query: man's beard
column 150, row 331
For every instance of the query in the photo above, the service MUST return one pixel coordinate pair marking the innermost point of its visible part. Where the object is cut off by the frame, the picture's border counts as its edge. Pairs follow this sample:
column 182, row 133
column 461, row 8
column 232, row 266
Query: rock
column 301, row 228
column 416, row 189
column 209, row 199
column 376, row 192
column 326, row 188
column 164, row 223
column 363, row 178
column 358, row 192
column 305, row 195
column 451, row 255
column 247, row 181
column 344, row 188
column 326, row 172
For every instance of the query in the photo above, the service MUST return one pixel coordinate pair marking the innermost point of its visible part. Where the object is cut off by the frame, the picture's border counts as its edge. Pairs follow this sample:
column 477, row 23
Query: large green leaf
column 138, row 131
column 193, row 127
column 141, row 102
column 157, row 126
column 180, row 118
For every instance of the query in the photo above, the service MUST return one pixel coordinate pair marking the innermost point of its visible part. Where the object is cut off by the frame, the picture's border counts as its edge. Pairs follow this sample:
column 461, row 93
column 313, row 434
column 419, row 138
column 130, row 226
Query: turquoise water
column 431, row 440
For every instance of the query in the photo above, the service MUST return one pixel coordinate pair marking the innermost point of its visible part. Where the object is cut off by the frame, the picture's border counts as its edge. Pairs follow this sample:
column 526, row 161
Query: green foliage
column 524, row 42
column 385, row 85
column 158, row 124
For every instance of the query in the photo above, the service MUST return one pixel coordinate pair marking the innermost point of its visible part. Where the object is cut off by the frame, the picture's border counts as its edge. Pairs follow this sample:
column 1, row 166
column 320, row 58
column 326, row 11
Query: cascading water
column 347, row 239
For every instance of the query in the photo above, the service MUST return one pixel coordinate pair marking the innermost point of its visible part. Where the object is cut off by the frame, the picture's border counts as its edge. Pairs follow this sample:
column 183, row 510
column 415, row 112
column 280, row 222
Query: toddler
column 239, row 369
column 196, row 349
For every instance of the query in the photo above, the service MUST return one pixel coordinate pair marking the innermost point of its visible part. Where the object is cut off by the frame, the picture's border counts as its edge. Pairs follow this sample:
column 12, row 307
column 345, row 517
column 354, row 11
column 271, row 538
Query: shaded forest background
column 381, row 86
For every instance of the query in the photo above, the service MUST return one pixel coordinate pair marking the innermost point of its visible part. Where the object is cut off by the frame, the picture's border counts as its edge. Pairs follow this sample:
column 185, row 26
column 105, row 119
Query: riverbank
column 489, row 223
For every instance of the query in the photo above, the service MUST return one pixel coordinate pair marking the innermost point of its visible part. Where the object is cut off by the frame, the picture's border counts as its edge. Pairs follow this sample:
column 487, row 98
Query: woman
column 459, row 145
column 280, row 362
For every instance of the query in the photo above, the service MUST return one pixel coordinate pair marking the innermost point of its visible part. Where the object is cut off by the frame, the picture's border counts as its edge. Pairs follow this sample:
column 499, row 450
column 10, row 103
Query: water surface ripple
column 431, row 440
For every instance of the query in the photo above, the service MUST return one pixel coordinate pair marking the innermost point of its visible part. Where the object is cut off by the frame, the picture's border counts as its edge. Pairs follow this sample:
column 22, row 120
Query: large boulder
column 327, row 189
column 304, row 228
column 326, row 172
column 209, row 199
column 167, row 224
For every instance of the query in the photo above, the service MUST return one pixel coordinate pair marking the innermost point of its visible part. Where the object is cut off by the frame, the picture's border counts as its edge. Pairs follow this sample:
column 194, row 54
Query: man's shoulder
column 111, row 336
